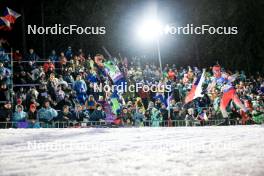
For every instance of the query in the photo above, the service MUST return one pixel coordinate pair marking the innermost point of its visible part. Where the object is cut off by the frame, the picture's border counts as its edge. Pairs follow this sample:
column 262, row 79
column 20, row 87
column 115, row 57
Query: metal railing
column 103, row 124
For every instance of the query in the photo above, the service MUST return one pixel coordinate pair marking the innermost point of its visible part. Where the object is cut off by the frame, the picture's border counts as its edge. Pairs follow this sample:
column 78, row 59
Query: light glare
column 149, row 30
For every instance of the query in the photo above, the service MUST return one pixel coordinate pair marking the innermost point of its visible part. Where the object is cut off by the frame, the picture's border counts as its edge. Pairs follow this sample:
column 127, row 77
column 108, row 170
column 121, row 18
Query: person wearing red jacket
column 17, row 56
column 48, row 67
column 171, row 74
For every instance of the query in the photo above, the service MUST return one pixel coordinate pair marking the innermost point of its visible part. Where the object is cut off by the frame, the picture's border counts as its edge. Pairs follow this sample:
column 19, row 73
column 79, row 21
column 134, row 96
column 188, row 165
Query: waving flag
column 196, row 90
column 113, row 71
column 8, row 19
column 11, row 15
column 115, row 105
column 5, row 22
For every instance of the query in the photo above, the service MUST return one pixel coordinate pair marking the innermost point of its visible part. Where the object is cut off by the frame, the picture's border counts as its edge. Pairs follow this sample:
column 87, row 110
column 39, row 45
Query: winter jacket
column 33, row 120
column 5, row 114
column 48, row 67
column 32, row 115
column 19, row 116
column 64, row 116
column 79, row 115
column 165, row 114
column 80, row 86
column 155, row 118
column 97, row 115
column 47, row 114
column 126, row 119
column 138, row 119
column 258, row 117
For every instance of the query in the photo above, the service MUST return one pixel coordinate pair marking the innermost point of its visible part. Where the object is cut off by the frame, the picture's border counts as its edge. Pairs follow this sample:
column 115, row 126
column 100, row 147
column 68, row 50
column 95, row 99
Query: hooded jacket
column 155, row 117
column 19, row 116
column 47, row 113
column 80, row 86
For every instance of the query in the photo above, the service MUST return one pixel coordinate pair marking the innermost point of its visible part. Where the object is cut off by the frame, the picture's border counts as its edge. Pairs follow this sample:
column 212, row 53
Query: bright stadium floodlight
column 151, row 30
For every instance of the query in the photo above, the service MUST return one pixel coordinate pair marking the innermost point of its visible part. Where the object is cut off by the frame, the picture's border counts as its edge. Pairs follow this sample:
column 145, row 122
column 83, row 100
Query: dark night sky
column 240, row 51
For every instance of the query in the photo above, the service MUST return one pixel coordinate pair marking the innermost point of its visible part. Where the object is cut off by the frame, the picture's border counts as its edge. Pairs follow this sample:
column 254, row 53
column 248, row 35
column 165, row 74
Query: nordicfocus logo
column 66, row 30
column 190, row 29
column 123, row 87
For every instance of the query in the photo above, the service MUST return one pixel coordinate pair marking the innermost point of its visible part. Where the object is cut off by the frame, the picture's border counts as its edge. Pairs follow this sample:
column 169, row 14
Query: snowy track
column 233, row 150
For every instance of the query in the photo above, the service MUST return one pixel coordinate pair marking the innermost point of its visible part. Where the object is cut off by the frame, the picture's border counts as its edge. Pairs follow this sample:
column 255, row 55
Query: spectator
column 79, row 114
column 90, row 104
column 98, row 114
column 69, row 53
column 126, row 117
column 171, row 74
column 46, row 113
column 65, row 115
column 3, row 55
column 5, row 115
column 32, row 117
column 63, row 61
column 202, row 117
column 32, row 56
column 139, row 118
column 258, row 115
column 156, row 118
column 19, row 115
column 189, row 117
column 80, row 88
column 53, row 57
column 139, row 104
column 4, row 92
column 48, row 67
column 4, row 71
column 165, row 115
column 64, row 85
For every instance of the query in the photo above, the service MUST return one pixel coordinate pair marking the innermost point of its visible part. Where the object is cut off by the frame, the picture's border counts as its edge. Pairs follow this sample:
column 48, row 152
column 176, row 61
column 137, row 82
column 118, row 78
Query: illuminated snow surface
column 232, row 150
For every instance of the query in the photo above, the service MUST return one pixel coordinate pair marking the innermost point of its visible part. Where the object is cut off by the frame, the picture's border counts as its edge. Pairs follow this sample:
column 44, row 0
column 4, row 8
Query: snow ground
column 232, row 150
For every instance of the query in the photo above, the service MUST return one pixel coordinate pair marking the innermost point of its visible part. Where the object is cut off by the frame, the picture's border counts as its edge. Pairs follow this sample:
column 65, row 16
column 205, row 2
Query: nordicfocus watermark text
column 123, row 87
column 58, row 29
column 190, row 29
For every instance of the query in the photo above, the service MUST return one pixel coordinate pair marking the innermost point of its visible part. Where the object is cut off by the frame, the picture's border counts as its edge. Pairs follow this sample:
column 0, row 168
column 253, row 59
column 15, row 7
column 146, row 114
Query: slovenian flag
column 196, row 90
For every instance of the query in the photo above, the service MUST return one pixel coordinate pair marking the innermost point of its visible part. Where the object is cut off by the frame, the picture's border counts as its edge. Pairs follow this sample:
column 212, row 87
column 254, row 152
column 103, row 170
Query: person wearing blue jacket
column 139, row 118
column 98, row 114
column 47, row 113
column 54, row 57
column 19, row 114
column 19, row 117
column 80, row 87
column 69, row 53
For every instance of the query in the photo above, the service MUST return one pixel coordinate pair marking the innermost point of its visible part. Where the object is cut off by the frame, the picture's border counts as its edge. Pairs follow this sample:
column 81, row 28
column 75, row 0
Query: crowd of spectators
column 60, row 89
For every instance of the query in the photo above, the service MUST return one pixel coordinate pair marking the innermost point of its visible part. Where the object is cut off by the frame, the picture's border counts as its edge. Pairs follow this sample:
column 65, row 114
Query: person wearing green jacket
column 156, row 118
column 258, row 116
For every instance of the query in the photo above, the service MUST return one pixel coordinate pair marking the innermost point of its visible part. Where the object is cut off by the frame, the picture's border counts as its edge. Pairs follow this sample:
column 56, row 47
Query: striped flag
column 9, row 18
column 196, row 90
column 113, row 71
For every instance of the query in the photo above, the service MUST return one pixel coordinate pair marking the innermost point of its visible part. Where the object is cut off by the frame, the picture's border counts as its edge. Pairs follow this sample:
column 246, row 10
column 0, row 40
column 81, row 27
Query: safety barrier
column 104, row 124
